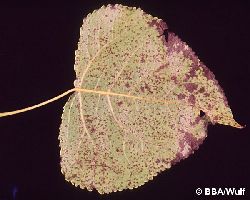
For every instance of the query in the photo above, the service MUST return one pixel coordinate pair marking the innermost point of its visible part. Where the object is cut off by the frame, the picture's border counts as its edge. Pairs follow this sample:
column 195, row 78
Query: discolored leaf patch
column 142, row 111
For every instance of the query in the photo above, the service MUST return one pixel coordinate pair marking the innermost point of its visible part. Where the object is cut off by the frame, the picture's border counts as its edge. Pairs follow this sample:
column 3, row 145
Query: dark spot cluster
column 119, row 103
column 177, row 158
column 192, row 141
column 208, row 74
column 192, row 72
column 127, row 85
column 174, row 78
column 197, row 119
column 202, row 90
column 160, row 25
column 191, row 99
column 191, row 87
column 181, row 96
column 161, row 68
column 146, row 88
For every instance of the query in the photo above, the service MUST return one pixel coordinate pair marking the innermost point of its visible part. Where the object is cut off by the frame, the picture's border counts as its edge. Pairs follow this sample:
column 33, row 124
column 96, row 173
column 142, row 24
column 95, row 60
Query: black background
column 37, row 44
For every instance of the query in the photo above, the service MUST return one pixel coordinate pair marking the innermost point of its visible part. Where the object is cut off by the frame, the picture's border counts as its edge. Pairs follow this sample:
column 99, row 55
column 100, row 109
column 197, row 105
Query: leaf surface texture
column 114, row 142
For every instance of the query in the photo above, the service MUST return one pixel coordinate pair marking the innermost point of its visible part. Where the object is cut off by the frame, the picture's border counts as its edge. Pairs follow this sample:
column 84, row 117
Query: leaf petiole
column 4, row 114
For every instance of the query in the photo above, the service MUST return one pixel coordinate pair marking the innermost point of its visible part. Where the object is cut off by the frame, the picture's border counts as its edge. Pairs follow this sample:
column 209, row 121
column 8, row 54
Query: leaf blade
column 137, row 107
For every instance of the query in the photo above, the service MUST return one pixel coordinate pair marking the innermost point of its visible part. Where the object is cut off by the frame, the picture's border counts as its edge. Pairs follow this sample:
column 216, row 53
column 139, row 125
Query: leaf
column 137, row 109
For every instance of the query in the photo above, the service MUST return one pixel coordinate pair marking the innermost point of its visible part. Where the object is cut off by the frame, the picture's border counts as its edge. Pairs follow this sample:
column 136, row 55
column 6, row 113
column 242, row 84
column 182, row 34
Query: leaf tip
column 235, row 124
column 240, row 126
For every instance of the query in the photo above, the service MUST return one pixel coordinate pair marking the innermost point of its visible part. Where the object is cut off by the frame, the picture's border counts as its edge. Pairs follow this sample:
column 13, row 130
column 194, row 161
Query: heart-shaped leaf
column 139, row 108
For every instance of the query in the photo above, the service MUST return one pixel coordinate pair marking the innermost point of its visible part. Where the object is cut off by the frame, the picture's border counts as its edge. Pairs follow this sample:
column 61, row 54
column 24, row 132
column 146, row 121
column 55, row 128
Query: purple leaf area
column 200, row 81
column 175, row 44
column 191, row 87
column 193, row 144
